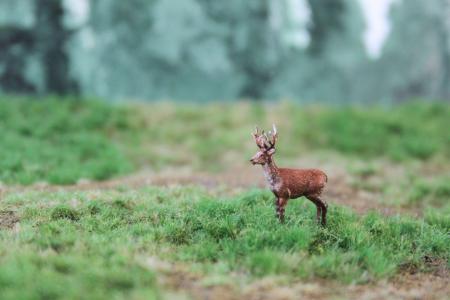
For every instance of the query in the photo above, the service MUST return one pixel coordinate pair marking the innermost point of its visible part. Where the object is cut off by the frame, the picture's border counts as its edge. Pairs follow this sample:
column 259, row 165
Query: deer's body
column 290, row 183
column 295, row 183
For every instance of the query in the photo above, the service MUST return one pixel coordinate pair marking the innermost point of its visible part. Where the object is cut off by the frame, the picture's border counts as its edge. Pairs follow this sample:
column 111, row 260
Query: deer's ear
column 271, row 151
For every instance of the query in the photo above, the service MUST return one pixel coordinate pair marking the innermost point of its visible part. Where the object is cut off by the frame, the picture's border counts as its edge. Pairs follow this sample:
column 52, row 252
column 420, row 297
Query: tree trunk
column 52, row 40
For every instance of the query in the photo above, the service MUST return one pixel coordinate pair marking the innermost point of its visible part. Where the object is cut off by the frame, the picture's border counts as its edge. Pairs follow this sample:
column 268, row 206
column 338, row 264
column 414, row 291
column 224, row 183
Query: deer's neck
column 272, row 175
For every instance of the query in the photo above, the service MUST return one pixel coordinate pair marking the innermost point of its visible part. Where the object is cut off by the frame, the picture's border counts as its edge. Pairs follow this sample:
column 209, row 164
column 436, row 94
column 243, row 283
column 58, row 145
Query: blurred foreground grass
column 73, row 244
column 62, row 141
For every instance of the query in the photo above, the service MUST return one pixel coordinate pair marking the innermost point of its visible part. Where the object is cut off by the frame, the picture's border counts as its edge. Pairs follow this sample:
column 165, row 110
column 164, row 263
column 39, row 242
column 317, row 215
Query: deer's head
column 266, row 145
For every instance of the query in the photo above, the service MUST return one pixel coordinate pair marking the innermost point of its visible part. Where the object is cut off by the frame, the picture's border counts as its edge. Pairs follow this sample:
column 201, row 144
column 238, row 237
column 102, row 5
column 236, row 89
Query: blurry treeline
column 222, row 50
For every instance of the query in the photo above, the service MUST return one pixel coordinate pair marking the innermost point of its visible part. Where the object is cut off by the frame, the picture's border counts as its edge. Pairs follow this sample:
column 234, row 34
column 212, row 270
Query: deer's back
column 302, row 182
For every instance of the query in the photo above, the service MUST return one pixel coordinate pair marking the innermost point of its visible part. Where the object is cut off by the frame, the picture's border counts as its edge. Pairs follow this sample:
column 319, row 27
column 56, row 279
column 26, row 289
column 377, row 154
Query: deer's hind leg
column 324, row 211
column 321, row 207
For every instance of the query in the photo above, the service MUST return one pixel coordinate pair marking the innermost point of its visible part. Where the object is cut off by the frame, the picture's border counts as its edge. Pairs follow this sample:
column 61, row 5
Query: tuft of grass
column 64, row 212
column 263, row 263
column 439, row 217
column 436, row 191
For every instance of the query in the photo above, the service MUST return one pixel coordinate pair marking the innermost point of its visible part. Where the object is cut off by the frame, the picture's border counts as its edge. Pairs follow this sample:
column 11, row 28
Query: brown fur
column 289, row 183
column 302, row 182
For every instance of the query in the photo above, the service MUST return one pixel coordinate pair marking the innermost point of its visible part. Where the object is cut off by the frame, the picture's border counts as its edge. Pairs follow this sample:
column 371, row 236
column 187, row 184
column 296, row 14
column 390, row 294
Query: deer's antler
column 259, row 137
column 273, row 135
column 266, row 141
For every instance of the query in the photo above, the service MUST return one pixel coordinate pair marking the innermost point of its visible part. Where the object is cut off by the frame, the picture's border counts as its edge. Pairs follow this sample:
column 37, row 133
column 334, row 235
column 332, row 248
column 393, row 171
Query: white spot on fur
column 274, row 181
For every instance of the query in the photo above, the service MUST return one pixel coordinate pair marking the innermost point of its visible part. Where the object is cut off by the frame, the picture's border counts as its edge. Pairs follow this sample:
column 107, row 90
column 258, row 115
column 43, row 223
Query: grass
column 62, row 141
column 425, row 192
column 98, row 243
column 58, row 141
column 413, row 131
column 72, row 244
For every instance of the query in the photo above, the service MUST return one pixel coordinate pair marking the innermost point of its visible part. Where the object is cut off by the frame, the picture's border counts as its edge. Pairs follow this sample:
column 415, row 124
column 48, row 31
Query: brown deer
column 288, row 183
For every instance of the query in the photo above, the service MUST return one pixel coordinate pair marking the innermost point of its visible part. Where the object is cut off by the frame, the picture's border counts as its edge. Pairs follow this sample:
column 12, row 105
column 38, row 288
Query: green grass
column 97, row 244
column 430, row 192
column 59, row 141
column 70, row 245
column 412, row 131
column 63, row 140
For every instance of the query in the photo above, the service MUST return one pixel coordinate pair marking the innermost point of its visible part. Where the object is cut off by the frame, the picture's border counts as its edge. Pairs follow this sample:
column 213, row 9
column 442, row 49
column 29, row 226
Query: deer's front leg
column 280, row 204
column 277, row 210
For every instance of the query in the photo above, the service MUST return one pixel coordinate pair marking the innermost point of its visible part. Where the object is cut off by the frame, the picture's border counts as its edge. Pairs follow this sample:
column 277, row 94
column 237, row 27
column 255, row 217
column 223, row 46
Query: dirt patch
column 433, row 265
column 175, row 278
column 8, row 219
column 405, row 286
column 196, row 290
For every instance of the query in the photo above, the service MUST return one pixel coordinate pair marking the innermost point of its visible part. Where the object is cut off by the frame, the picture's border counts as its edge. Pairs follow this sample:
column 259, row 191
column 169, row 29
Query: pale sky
column 376, row 13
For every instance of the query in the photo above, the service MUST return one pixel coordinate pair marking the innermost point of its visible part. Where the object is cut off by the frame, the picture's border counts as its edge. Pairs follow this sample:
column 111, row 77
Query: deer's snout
column 256, row 159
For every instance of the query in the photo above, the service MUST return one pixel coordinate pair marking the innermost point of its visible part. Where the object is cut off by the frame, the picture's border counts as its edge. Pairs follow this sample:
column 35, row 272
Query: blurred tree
column 443, row 26
column 33, row 56
column 251, row 40
column 330, row 68
column 415, row 61
column 51, row 42
column 16, row 43
column 327, row 17
column 194, row 49
column 217, row 50
column 176, row 52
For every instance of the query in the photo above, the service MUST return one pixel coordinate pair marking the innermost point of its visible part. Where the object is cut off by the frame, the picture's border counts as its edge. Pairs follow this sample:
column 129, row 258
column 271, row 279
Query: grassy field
column 62, row 141
column 112, row 236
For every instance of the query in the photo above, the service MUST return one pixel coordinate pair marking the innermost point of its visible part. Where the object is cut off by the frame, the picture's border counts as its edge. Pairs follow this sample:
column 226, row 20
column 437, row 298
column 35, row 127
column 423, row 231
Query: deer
column 286, row 183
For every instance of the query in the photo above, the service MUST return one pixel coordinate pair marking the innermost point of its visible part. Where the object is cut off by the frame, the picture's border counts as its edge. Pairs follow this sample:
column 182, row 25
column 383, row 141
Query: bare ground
column 8, row 219
column 176, row 277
